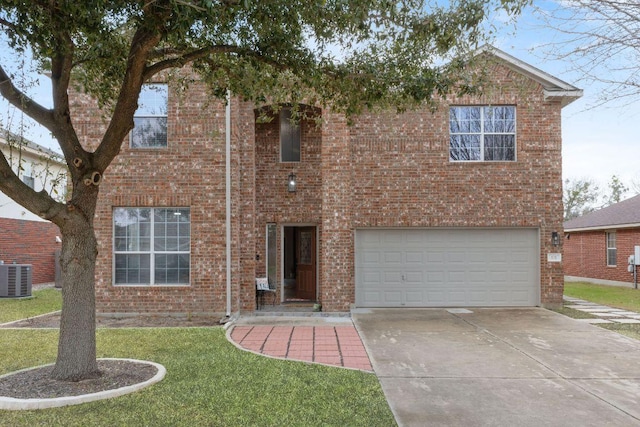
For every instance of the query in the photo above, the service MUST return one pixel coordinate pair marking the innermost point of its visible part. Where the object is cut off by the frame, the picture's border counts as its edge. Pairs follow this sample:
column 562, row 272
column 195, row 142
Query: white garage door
column 447, row 267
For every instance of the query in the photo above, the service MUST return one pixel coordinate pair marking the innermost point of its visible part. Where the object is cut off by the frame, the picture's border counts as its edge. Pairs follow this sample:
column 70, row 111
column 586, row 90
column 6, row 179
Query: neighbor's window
column 289, row 137
column 482, row 133
column 151, row 246
column 150, row 119
column 612, row 251
column 27, row 174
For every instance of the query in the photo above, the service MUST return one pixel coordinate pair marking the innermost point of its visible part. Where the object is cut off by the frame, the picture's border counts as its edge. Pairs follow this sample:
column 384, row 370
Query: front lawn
column 209, row 382
column 43, row 301
column 613, row 296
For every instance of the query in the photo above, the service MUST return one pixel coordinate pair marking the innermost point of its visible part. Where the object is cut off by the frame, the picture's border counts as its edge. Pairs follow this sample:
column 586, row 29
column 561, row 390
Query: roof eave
column 602, row 227
column 566, row 96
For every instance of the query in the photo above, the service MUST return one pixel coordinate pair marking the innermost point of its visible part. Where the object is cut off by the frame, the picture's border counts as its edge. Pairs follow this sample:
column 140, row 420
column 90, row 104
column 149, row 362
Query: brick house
column 25, row 238
column 451, row 208
column 597, row 245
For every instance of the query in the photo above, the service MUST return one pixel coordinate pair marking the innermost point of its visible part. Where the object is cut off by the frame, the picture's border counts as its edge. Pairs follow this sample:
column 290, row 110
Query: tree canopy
column 348, row 55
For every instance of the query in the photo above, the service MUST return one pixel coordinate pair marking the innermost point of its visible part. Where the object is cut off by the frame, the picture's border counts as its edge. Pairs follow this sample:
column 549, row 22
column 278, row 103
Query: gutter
column 602, row 227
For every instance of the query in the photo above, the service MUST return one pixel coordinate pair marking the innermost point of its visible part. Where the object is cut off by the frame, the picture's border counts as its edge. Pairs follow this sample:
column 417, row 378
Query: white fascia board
column 602, row 227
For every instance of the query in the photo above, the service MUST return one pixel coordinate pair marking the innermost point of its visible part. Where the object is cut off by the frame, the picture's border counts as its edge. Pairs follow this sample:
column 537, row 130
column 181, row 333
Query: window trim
column 296, row 135
column 611, row 235
column 483, row 134
column 151, row 252
column 147, row 116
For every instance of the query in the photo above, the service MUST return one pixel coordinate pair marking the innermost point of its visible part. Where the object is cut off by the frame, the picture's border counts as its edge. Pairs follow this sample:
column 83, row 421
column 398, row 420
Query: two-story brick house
column 455, row 207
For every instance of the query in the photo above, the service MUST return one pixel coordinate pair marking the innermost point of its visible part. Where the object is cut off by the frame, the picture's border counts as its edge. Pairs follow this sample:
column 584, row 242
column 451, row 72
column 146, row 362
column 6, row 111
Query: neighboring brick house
column 25, row 238
column 598, row 245
column 451, row 208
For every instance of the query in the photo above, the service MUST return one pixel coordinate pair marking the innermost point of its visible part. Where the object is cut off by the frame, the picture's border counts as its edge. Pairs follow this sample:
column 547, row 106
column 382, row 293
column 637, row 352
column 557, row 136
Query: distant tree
column 579, row 197
column 601, row 39
column 346, row 55
column 617, row 191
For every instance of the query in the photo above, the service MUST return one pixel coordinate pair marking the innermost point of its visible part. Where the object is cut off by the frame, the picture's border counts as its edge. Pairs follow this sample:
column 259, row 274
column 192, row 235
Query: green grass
column 43, row 301
column 613, row 296
column 209, row 382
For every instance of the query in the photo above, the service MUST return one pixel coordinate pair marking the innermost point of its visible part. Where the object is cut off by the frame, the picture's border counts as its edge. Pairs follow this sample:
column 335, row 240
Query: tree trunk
column 77, row 343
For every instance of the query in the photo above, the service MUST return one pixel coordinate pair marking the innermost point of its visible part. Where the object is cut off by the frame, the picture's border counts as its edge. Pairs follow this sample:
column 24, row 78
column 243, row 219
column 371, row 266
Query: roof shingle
column 625, row 212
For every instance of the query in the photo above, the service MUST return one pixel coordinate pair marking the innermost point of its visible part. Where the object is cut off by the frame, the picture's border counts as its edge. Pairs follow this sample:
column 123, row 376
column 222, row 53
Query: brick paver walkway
column 329, row 345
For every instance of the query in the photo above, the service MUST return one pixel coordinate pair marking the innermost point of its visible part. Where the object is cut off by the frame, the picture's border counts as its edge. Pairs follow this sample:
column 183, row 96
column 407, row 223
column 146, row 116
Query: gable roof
column 553, row 86
column 623, row 214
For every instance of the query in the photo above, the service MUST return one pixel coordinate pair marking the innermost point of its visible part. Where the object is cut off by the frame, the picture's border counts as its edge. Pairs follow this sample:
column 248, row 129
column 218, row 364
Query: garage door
column 447, row 267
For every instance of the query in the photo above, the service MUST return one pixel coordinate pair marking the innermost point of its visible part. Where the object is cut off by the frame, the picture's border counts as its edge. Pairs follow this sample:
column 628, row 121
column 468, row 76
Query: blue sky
column 597, row 142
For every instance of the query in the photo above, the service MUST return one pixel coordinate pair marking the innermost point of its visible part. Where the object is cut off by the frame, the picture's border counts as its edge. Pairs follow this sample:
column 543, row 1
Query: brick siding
column 585, row 254
column 384, row 170
column 30, row 242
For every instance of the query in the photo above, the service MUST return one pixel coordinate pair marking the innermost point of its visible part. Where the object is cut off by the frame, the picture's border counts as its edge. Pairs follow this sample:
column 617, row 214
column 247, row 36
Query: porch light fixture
column 291, row 183
column 555, row 238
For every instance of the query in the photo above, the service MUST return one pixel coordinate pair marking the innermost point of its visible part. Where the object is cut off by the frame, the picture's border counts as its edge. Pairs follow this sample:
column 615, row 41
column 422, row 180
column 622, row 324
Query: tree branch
column 24, row 103
column 186, row 58
column 40, row 203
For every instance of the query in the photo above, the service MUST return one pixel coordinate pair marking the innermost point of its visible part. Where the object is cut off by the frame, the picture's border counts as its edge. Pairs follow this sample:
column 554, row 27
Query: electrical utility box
column 636, row 255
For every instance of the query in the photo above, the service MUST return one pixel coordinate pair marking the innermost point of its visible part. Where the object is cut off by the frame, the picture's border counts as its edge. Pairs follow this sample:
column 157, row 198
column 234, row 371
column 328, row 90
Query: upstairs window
column 612, row 251
column 150, row 119
column 482, row 133
column 289, row 137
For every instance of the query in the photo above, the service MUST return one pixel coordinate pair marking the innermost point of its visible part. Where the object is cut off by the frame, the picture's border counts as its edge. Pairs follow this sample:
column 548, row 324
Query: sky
column 598, row 142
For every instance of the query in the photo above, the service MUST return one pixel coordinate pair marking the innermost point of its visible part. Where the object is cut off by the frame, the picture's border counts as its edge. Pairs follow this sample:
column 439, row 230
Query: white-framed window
column 150, row 119
column 289, row 137
column 612, row 251
column 482, row 133
column 151, row 246
column 27, row 174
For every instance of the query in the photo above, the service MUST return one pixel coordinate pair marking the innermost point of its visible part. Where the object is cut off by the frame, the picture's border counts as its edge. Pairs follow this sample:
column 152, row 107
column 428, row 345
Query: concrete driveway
column 501, row 367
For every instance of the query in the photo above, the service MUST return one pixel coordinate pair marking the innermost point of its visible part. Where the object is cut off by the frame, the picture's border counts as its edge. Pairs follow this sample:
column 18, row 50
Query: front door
column 306, row 262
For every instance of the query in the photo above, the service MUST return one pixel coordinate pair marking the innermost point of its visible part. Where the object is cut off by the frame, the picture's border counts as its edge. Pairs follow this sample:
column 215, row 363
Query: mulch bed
column 37, row 384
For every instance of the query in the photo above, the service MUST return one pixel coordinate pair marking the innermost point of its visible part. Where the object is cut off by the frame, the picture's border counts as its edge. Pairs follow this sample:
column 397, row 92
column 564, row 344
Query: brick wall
column 30, row 242
column 386, row 170
column 585, row 254
column 190, row 172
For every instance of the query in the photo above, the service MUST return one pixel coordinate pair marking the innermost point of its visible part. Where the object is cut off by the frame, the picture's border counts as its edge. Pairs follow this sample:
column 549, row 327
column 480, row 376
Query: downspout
column 228, row 201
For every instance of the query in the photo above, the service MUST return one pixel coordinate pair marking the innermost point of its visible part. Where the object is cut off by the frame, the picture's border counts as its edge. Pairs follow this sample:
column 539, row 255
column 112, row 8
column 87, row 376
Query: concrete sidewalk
column 501, row 367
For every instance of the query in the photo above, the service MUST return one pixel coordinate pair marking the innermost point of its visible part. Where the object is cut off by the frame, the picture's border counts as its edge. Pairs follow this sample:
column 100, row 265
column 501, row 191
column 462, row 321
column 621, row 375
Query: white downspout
column 228, row 198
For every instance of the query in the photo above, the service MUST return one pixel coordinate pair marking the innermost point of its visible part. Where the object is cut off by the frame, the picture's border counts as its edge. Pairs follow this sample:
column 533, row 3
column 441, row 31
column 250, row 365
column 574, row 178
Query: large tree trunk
column 77, row 343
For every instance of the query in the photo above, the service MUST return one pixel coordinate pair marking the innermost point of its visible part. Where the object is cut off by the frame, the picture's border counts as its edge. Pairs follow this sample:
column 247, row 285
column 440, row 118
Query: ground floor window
column 612, row 251
column 151, row 246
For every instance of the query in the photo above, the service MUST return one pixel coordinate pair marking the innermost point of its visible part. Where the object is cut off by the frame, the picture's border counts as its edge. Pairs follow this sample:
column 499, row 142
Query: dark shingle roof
column 626, row 212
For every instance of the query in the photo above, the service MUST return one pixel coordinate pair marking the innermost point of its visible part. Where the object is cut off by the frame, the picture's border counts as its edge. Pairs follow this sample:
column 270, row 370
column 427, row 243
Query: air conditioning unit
column 15, row 280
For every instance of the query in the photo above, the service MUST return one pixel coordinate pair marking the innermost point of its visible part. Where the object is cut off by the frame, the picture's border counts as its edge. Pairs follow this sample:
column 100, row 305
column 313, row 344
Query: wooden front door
column 306, row 262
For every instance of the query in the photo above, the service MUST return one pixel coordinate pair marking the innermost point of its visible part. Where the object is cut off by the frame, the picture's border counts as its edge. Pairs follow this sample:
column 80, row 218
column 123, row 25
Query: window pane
column 132, row 269
column 499, row 147
column 464, row 147
column 153, row 100
column 172, row 269
column 289, row 137
column 149, row 132
column 465, row 120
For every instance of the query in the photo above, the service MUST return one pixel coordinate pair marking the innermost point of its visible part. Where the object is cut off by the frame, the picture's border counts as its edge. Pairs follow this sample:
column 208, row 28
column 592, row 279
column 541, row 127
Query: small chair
column 263, row 285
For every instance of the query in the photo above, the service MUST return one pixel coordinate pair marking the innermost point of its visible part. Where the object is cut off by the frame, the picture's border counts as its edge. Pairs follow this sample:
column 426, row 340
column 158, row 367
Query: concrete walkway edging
column 13, row 404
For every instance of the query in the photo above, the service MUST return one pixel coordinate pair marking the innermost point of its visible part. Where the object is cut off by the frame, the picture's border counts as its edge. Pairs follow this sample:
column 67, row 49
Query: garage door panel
column 452, row 267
